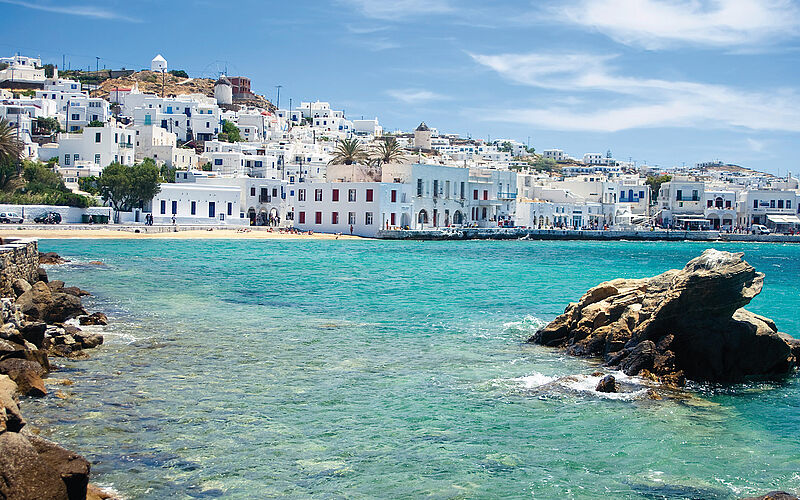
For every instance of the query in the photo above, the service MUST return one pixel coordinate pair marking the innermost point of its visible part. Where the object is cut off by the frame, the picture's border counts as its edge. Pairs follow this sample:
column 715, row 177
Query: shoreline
column 181, row 234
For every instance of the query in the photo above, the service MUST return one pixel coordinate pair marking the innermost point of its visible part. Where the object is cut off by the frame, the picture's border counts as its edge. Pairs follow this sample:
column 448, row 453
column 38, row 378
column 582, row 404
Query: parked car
column 48, row 218
column 10, row 218
column 759, row 229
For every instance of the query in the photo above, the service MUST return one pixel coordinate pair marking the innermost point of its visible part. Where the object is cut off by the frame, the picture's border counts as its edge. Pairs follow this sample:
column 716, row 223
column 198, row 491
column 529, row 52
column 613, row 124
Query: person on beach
column 351, row 230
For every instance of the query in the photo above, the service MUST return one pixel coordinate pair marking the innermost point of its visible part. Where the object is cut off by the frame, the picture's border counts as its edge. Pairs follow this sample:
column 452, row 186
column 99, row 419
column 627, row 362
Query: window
column 317, row 217
column 76, row 157
column 334, row 217
column 97, row 159
column 301, row 217
column 163, row 207
column 174, row 207
column 755, row 203
column 462, row 190
column 274, row 191
column 780, row 203
column 301, row 195
column 317, row 196
column 435, row 188
column 212, row 209
column 252, row 191
column 230, row 208
column 695, row 196
column 679, row 195
column 485, row 194
column 419, row 187
column 641, row 194
column 728, row 204
column 474, row 194
column 393, row 218
column 218, row 161
column 76, row 116
column 97, row 136
column 116, row 138
column 369, row 194
column 394, row 196
column 351, row 195
column 194, row 208
column 788, row 203
column 335, row 195
column 351, row 218
column 771, row 203
column 368, row 218
column 709, row 203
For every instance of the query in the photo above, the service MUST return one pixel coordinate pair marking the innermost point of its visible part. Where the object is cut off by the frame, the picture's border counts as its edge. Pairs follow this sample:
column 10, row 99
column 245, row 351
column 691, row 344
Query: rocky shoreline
column 683, row 324
column 34, row 328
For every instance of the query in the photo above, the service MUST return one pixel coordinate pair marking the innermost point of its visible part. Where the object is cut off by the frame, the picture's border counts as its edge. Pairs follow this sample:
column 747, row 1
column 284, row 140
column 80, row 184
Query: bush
column 179, row 73
column 95, row 123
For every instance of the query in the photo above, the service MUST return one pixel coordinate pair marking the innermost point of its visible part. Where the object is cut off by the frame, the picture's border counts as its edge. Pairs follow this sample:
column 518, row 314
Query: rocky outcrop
column 774, row 495
column 50, row 303
column 97, row 318
column 607, row 384
column 686, row 323
column 23, row 474
column 51, row 258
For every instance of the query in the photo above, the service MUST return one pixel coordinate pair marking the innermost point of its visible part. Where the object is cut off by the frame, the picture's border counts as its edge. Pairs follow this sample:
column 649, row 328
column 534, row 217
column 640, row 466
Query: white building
column 21, row 70
column 100, row 146
column 192, row 203
column 554, row 154
column 158, row 64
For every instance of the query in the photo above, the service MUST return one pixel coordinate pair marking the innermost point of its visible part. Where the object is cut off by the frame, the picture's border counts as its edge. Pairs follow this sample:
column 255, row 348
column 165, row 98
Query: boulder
column 10, row 417
column 27, row 375
column 20, row 286
column 63, row 307
column 35, row 355
column 774, row 495
column 55, row 285
column 74, row 290
column 35, row 301
column 9, row 332
column 96, row 318
column 50, row 305
column 42, row 274
column 72, row 468
column 24, row 475
column 607, row 384
column 686, row 323
column 51, row 258
column 33, row 332
column 88, row 340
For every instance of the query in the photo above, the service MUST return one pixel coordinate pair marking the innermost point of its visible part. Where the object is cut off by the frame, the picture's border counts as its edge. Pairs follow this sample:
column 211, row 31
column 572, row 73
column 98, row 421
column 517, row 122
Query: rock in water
column 686, row 322
column 96, row 318
column 774, row 495
column 23, row 474
column 73, row 468
column 607, row 384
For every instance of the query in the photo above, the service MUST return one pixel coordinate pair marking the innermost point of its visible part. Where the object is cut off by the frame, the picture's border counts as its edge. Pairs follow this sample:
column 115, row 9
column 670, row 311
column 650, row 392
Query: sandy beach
column 216, row 233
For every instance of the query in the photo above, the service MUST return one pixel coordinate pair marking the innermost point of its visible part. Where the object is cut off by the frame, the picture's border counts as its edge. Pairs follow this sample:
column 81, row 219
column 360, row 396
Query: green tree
column 167, row 173
column 179, row 73
column 505, row 147
column 544, row 164
column 388, row 151
column 49, row 70
column 230, row 132
column 207, row 167
column 41, row 180
column 47, row 125
column 126, row 186
column 95, row 123
column 655, row 182
column 10, row 145
column 349, row 151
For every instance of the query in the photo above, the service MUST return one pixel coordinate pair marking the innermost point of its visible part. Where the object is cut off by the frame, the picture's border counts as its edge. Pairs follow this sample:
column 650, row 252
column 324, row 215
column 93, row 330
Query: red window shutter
column 393, row 217
column 335, row 195
column 369, row 195
column 318, row 218
column 394, row 197
column 475, row 194
column 302, row 217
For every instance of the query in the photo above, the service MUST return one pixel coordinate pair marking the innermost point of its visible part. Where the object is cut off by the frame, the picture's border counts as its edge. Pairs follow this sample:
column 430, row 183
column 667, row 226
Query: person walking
column 351, row 230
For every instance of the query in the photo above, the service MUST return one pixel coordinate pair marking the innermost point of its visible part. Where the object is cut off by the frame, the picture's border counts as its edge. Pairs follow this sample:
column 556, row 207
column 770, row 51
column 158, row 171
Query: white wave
column 529, row 325
column 534, row 380
column 580, row 384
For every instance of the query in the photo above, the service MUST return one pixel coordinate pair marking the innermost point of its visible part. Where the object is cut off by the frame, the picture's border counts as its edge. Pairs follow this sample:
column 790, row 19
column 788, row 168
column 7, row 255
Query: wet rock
column 35, row 301
column 72, row 468
column 35, row 355
column 20, row 286
column 23, row 474
column 50, row 305
column 55, row 285
column 51, row 258
column 607, row 384
column 686, row 323
column 774, row 495
column 74, row 290
column 64, row 307
column 96, row 493
column 27, row 375
column 96, row 318
column 88, row 340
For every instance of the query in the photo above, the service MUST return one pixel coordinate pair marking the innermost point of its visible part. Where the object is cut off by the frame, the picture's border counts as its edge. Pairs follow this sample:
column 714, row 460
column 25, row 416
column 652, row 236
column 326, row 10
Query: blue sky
column 663, row 81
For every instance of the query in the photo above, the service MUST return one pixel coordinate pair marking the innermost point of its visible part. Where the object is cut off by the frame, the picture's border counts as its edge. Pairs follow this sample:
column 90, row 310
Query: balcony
column 506, row 195
column 265, row 198
column 125, row 145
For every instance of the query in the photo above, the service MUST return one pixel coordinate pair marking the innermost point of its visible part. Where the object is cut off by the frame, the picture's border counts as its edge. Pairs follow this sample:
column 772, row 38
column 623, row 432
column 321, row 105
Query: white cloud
column 75, row 10
column 393, row 9
column 630, row 102
column 655, row 24
column 415, row 96
column 757, row 146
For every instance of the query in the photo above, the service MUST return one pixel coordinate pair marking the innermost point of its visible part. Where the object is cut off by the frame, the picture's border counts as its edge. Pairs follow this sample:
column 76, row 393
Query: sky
column 662, row 82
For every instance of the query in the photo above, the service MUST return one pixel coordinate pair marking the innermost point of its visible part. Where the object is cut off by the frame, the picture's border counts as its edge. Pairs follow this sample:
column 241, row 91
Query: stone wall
column 19, row 258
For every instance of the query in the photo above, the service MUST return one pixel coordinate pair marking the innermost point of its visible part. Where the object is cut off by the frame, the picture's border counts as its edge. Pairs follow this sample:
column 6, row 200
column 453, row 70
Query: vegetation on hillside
column 37, row 184
column 230, row 132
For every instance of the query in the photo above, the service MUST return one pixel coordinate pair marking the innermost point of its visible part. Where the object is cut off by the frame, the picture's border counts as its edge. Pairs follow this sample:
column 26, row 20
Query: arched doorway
column 715, row 221
column 458, row 218
column 251, row 214
column 405, row 220
column 274, row 220
column 262, row 217
column 422, row 217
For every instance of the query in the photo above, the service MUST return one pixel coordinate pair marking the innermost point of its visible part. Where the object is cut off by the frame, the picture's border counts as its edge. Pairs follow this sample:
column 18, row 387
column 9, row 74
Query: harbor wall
column 19, row 258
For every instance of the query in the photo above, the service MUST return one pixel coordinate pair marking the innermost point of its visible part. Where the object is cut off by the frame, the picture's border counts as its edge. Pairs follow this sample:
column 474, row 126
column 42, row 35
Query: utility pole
column 96, row 64
column 278, row 103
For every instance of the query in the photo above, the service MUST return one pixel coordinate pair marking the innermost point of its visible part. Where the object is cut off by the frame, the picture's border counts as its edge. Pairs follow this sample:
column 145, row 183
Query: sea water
column 377, row 369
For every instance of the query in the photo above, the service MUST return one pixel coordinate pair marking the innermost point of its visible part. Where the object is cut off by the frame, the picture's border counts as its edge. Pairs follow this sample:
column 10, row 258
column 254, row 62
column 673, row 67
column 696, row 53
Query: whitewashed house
column 21, row 71
column 100, row 146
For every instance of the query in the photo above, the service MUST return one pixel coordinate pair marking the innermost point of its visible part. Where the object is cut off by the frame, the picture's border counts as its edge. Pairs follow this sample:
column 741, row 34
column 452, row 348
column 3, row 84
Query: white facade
column 197, row 204
column 158, row 64
column 98, row 145
column 333, row 207
column 21, row 69
column 554, row 154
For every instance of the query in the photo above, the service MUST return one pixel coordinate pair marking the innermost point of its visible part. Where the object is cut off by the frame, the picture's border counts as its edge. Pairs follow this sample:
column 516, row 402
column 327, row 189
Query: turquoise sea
column 372, row 369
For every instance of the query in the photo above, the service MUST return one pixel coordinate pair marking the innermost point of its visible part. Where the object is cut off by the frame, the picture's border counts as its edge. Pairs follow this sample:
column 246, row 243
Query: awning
column 784, row 219
column 690, row 218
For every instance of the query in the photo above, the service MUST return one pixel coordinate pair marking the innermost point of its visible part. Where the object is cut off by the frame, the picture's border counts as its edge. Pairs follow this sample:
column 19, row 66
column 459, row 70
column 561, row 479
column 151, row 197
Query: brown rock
column 35, row 301
column 774, row 495
column 51, row 258
column 74, row 290
column 73, row 468
column 88, row 340
column 42, row 274
column 607, row 384
column 10, row 415
column 97, row 263
column 63, row 307
column 96, row 318
column 23, row 474
column 33, row 332
column 20, row 286
column 27, row 375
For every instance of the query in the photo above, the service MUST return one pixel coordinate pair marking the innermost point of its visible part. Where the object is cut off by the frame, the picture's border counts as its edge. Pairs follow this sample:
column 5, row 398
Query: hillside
column 151, row 82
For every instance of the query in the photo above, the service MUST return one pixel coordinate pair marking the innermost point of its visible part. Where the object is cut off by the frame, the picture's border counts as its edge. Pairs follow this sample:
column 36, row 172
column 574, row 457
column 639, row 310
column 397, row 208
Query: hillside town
column 228, row 157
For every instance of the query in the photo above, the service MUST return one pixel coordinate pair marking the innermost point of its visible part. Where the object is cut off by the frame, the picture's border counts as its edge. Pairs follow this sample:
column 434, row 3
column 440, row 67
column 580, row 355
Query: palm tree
column 388, row 151
column 349, row 151
column 10, row 146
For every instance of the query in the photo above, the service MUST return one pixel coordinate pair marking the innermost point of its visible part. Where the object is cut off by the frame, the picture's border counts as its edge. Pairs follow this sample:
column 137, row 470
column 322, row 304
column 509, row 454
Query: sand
column 78, row 233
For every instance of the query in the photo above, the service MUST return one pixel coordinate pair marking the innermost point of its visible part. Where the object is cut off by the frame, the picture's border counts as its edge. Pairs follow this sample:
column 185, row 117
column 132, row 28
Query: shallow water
column 363, row 369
